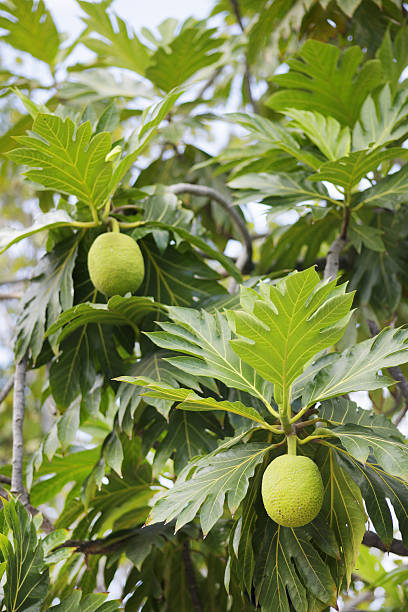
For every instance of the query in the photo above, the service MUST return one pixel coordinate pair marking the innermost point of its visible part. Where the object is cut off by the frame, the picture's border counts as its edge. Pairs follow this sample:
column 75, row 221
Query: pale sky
column 148, row 13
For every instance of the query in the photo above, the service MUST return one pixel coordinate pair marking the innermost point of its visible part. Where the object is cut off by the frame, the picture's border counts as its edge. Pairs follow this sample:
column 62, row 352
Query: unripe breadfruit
column 292, row 490
column 115, row 264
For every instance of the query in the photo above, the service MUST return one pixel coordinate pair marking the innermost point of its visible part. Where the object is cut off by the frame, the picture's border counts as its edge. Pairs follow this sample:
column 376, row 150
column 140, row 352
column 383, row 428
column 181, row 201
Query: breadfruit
column 115, row 264
column 292, row 490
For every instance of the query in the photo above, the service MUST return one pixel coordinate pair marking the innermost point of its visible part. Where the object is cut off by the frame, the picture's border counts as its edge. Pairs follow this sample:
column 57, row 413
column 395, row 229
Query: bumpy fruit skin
column 115, row 264
column 292, row 490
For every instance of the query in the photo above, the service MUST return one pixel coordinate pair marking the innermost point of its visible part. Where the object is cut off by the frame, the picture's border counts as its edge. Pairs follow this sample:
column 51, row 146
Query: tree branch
column 331, row 268
column 191, row 578
column 11, row 296
column 372, row 540
column 6, row 389
column 227, row 205
column 17, row 484
column 351, row 606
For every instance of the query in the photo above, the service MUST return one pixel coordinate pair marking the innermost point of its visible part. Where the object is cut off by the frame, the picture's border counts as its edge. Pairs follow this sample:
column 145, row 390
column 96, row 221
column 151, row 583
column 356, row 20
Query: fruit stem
column 130, row 225
column 291, row 444
column 114, row 225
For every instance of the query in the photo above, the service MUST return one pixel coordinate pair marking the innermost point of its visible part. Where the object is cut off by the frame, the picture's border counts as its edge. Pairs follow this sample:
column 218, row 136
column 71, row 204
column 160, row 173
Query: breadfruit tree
column 204, row 291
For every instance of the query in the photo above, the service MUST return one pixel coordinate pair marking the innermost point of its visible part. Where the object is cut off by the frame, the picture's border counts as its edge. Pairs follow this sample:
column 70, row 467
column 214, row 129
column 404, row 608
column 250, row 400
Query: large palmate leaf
column 391, row 455
column 325, row 80
column 378, row 489
column 67, row 158
column 214, row 477
column 381, row 120
column 285, row 325
column 348, row 171
column 29, row 27
column 50, row 292
column 342, row 508
column 193, row 49
column 27, row 575
column 341, row 411
column 204, row 337
column 358, row 368
column 326, row 133
column 117, row 46
column 288, row 564
column 188, row 400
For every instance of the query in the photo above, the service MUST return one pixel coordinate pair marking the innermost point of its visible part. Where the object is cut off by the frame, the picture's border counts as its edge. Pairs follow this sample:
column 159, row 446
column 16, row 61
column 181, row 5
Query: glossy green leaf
column 214, row 477
column 286, row 324
column 358, row 368
column 67, row 158
column 50, row 292
column 379, row 489
column 193, row 49
column 177, row 277
column 342, row 411
column 204, row 338
column 342, row 508
column 388, row 193
column 392, row 455
column 188, row 435
column 86, row 603
column 63, row 469
column 348, row 171
column 325, row 80
column 381, row 120
column 279, row 190
column 333, row 140
column 193, row 402
column 277, row 136
column 290, row 565
column 118, row 311
column 27, row 575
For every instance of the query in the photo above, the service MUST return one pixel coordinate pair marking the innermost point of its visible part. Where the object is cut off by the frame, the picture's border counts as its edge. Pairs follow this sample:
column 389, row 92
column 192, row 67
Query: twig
column 351, row 606
column 247, row 75
column 227, row 205
column 17, row 484
column 208, row 83
column 11, row 296
column 191, row 578
column 333, row 256
column 397, row 375
column 372, row 540
column 5, row 479
column 6, row 389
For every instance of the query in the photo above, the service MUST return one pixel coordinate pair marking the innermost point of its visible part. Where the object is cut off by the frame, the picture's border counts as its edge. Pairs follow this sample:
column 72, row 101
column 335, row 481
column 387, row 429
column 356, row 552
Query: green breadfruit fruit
column 292, row 490
column 115, row 264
